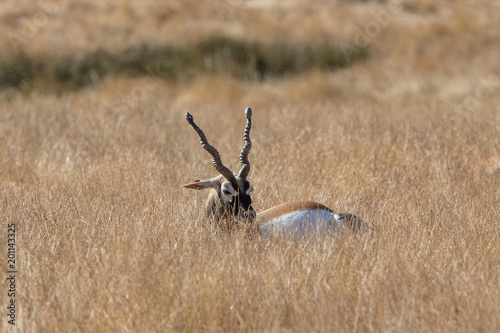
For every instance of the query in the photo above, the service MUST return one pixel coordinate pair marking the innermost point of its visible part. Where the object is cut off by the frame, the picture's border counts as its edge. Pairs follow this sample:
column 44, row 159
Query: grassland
column 109, row 241
column 216, row 56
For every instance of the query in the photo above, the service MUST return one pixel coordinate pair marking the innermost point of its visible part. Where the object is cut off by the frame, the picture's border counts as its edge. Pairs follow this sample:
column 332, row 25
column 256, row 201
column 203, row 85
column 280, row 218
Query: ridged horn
column 245, row 163
column 223, row 170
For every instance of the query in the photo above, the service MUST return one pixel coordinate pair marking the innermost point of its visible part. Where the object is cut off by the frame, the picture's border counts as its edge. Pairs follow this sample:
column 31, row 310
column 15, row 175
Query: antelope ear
column 202, row 184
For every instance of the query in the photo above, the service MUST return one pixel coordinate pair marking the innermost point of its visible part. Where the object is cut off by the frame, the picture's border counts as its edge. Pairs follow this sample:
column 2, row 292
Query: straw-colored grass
column 108, row 240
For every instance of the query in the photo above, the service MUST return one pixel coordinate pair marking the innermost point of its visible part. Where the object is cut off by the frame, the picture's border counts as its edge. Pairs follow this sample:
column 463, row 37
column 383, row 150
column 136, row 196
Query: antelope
column 229, row 201
column 488, row 167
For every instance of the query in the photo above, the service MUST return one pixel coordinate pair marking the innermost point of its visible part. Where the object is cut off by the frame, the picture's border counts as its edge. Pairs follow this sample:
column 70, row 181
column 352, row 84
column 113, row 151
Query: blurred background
column 221, row 50
column 379, row 108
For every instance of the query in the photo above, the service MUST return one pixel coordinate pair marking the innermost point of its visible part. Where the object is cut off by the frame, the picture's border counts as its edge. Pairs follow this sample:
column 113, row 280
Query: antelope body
column 488, row 167
column 229, row 201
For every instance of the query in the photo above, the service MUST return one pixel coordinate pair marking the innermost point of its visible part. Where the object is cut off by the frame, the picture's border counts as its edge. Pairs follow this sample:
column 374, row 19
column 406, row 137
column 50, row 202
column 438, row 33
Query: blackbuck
column 488, row 167
column 229, row 202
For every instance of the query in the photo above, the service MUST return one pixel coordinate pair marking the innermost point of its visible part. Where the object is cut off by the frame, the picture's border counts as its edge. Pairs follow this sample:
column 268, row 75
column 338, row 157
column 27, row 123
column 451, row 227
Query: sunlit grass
column 108, row 239
column 216, row 56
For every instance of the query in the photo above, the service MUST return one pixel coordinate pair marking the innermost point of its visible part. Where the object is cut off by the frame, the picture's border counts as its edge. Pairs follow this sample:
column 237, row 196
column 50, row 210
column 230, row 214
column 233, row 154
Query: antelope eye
column 226, row 192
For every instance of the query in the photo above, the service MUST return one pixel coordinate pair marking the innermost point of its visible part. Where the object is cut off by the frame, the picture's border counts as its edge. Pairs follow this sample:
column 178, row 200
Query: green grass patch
column 216, row 56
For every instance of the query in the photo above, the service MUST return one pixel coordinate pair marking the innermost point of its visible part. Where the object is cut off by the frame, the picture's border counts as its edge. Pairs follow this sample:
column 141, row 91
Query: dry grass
column 109, row 241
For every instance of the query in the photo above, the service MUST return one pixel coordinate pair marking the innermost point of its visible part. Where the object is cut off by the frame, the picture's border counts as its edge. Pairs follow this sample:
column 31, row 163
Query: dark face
column 239, row 203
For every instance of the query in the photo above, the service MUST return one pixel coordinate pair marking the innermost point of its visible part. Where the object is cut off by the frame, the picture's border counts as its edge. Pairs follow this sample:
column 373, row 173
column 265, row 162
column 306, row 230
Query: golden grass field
column 109, row 241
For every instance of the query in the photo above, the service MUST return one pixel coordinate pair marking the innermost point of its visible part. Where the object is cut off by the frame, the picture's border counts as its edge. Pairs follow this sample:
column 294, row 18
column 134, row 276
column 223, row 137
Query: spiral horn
column 245, row 163
column 217, row 162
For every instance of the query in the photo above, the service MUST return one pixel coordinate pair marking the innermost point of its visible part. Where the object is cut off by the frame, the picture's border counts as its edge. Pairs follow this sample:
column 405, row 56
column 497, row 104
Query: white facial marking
column 227, row 192
column 250, row 190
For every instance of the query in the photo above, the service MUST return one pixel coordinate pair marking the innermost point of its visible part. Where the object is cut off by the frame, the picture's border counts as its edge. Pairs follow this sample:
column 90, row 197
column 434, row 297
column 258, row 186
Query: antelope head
column 229, row 197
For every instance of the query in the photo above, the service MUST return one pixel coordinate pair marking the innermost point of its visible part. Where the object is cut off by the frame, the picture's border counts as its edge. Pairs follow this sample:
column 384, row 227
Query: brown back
column 286, row 208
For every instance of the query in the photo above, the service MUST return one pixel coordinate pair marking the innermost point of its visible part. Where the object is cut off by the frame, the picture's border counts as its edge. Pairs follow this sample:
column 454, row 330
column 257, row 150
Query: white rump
column 303, row 223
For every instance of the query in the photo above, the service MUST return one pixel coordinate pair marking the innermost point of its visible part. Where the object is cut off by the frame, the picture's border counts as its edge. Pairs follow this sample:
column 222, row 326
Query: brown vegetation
column 109, row 241
column 488, row 167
